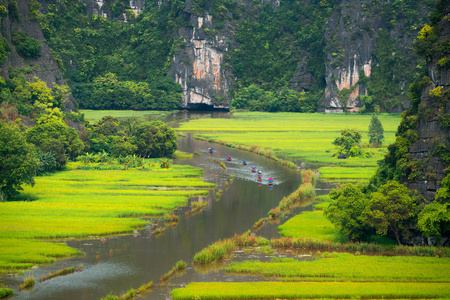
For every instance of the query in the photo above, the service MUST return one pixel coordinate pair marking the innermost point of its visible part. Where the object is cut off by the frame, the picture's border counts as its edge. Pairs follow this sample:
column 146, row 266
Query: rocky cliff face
column 99, row 8
column 44, row 67
column 355, row 47
column 198, row 66
column 432, row 148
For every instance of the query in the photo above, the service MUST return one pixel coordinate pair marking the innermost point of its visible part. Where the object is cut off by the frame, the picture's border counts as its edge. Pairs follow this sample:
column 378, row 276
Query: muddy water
column 125, row 262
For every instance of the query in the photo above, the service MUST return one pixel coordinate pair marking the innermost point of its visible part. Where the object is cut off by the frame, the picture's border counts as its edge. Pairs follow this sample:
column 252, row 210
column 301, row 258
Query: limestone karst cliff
column 198, row 66
column 343, row 55
column 432, row 146
column 420, row 156
column 42, row 66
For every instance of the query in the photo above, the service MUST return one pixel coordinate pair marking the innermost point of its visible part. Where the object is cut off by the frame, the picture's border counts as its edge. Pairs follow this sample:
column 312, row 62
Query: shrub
column 26, row 47
column 27, row 283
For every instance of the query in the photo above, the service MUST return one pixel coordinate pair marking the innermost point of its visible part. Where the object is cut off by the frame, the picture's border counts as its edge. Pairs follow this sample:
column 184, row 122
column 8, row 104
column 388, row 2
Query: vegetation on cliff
column 419, row 158
column 275, row 61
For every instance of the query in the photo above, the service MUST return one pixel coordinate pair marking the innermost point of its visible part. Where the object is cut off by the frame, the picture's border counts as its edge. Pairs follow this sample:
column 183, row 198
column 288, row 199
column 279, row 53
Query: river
column 129, row 261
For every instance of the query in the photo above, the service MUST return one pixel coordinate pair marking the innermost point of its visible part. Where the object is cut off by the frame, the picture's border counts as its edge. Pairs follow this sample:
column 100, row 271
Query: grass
column 223, row 248
column 80, row 203
column 349, row 267
column 61, row 272
column 96, row 115
column 179, row 266
column 5, row 292
column 311, row 225
column 311, row 290
column 296, row 136
column 27, row 283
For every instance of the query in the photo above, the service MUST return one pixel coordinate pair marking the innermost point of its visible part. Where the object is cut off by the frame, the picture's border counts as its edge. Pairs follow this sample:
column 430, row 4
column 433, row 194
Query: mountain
column 342, row 55
column 23, row 47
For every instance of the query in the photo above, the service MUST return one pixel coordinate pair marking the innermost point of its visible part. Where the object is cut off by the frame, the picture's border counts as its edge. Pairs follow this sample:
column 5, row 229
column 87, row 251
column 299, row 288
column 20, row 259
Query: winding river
column 125, row 262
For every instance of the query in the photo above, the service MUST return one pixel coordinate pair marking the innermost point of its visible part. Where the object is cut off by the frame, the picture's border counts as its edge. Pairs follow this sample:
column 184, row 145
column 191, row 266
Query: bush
column 26, row 47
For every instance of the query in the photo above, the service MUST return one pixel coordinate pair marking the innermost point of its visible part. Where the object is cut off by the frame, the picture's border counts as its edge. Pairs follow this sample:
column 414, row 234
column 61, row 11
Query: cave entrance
column 205, row 107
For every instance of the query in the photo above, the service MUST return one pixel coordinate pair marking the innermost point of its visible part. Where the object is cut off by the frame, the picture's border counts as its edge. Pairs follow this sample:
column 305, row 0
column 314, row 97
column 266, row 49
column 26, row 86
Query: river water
column 129, row 261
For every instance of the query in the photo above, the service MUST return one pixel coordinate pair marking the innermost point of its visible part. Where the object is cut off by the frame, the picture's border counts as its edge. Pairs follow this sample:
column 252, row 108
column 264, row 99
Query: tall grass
column 314, row 244
column 5, row 292
column 220, row 249
column 179, row 266
column 61, row 272
column 27, row 283
column 304, row 193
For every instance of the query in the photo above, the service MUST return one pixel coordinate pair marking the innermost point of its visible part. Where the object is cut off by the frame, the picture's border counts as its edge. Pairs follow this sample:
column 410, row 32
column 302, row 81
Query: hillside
column 272, row 55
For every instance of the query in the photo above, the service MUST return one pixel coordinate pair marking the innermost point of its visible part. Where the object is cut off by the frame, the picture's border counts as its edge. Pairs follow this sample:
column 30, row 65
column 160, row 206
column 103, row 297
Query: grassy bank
column 307, row 137
column 81, row 203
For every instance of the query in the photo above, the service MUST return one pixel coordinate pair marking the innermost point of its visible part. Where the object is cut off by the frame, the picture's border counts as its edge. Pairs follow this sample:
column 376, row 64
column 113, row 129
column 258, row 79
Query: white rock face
column 198, row 67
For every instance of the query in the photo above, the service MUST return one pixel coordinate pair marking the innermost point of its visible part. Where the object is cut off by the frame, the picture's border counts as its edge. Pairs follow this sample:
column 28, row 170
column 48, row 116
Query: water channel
column 129, row 261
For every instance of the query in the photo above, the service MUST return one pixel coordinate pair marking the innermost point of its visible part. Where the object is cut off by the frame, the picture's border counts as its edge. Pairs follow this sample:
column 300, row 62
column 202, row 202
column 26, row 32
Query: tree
column 155, row 139
column 348, row 142
column 345, row 211
column 434, row 220
column 376, row 132
column 17, row 161
column 389, row 209
column 56, row 137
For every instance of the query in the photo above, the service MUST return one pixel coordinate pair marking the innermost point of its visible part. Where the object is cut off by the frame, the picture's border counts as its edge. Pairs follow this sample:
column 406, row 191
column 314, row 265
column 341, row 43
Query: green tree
column 376, row 132
column 120, row 147
column 349, row 140
column 434, row 220
column 17, row 161
column 56, row 137
column 155, row 139
column 390, row 209
column 346, row 211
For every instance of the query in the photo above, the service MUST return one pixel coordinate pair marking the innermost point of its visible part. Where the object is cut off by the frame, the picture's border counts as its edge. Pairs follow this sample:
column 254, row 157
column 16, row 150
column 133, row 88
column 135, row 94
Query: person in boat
column 253, row 169
column 259, row 172
column 228, row 157
column 244, row 162
column 259, row 177
column 270, row 181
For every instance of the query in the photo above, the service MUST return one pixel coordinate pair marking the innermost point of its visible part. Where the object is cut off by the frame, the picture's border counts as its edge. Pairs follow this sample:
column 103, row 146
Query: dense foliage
column 357, row 214
column 111, row 64
column 390, row 208
column 272, row 44
column 17, row 162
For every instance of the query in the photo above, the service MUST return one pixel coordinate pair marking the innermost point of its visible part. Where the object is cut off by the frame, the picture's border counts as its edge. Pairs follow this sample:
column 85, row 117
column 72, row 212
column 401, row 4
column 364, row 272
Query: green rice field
column 295, row 136
column 311, row 225
column 94, row 116
column 312, row 290
column 349, row 267
column 81, row 203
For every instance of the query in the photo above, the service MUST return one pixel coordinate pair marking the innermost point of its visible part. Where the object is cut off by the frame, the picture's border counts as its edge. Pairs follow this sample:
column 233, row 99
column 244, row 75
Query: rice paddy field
column 81, row 203
column 94, row 116
column 312, row 290
column 311, row 225
column 306, row 137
